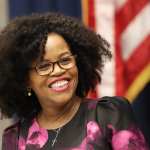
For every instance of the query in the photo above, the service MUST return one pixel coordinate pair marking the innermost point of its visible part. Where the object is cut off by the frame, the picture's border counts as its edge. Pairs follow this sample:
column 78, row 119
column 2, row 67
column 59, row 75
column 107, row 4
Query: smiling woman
column 56, row 81
column 48, row 64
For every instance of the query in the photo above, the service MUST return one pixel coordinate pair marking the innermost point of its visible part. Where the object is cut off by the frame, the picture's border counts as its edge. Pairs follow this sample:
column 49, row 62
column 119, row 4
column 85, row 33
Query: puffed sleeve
column 116, row 117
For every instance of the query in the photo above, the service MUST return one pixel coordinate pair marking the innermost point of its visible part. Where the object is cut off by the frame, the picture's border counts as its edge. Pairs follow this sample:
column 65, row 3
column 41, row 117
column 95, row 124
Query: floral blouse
column 102, row 124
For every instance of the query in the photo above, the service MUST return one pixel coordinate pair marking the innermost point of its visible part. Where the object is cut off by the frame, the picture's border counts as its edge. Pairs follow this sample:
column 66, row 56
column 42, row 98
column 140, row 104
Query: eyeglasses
column 47, row 67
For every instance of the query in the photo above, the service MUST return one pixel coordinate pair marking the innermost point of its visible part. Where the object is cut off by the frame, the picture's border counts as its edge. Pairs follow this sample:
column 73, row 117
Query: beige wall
column 3, row 13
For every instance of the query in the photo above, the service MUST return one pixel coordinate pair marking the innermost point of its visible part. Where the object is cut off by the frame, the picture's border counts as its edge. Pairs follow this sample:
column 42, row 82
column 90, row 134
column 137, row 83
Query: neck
column 58, row 116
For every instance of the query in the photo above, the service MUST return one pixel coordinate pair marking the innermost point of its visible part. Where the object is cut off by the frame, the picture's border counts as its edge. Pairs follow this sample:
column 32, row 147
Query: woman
column 48, row 64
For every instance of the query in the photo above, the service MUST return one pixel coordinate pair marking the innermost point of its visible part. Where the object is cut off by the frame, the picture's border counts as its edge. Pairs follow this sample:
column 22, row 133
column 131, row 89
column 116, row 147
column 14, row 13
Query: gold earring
column 29, row 91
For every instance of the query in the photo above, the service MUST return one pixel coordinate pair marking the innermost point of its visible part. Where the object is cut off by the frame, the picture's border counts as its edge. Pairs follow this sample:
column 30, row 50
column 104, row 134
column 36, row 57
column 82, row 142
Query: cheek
column 75, row 75
column 36, row 82
column 74, row 71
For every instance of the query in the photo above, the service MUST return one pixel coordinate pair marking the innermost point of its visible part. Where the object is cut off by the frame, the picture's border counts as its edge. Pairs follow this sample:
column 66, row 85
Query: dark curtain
column 25, row 7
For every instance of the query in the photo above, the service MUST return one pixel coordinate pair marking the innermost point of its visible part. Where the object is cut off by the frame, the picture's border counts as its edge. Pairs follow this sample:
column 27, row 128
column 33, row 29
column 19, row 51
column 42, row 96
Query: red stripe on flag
column 137, row 61
column 91, row 16
column 127, row 71
column 91, row 24
column 92, row 94
column 119, row 69
column 123, row 17
column 126, row 13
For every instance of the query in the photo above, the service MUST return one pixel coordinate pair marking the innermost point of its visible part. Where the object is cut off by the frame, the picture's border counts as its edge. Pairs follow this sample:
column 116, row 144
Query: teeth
column 59, row 84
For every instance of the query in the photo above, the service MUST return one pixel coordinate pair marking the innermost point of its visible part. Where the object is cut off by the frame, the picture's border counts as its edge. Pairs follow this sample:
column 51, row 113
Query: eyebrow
column 66, row 53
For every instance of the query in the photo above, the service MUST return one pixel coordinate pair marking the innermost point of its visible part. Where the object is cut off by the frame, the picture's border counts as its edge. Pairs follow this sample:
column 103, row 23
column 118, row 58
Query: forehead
column 56, row 46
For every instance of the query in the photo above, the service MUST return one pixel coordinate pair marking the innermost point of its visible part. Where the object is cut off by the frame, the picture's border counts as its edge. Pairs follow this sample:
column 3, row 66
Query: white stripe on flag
column 3, row 13
column 119, row 3
column 104, row 12
column 136, row 32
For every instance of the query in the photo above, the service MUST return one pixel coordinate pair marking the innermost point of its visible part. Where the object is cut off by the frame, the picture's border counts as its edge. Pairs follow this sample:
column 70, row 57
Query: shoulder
column 12, row 128
column 10, row 137
column 106, row 102
column 115, row 105
column 116, row 102
column 11, row 133
column 112, row 110
column 18, row 126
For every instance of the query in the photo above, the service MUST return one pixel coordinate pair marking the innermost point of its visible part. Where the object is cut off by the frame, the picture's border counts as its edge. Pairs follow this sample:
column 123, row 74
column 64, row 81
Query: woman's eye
column 65, row 61
column 43, row 66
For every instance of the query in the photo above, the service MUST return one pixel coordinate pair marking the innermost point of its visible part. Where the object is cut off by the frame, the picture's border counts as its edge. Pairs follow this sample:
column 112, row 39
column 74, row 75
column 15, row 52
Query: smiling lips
column 59, row 85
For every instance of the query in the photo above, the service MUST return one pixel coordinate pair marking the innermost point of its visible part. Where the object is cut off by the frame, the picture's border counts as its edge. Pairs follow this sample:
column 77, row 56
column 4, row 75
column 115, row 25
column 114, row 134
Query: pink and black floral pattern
column 107, row 124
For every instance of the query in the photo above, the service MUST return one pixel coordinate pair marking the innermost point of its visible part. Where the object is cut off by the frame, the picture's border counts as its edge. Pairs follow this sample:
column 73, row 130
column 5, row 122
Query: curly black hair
column 23, row 40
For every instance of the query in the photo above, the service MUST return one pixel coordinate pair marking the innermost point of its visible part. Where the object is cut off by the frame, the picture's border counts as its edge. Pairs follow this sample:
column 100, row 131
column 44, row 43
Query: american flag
column 125, row 24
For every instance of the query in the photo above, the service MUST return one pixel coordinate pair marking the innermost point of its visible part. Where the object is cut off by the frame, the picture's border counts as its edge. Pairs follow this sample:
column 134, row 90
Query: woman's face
column 58, row 87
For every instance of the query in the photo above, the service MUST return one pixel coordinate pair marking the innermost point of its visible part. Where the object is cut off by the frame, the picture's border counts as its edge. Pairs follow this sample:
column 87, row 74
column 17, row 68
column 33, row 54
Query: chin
column 62, row 99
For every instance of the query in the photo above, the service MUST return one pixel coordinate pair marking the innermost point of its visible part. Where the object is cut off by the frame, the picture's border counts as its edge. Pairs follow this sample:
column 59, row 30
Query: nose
column 57, row 70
